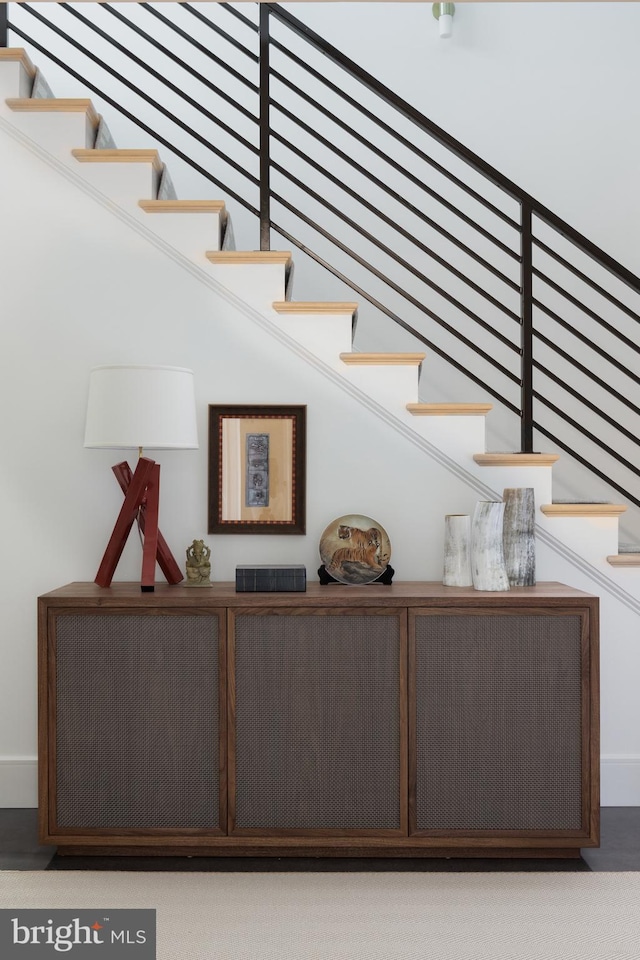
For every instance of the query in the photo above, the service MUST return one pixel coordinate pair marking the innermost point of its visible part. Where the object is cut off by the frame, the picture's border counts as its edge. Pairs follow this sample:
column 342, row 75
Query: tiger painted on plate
column 364, row 546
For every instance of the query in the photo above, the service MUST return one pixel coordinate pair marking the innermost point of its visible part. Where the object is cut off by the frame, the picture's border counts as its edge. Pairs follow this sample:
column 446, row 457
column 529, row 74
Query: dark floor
column 19, row 850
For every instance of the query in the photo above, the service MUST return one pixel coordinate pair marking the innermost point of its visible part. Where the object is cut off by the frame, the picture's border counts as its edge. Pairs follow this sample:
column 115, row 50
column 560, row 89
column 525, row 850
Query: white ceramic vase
column 519, row 536
column 487, row 554
column 457, row 550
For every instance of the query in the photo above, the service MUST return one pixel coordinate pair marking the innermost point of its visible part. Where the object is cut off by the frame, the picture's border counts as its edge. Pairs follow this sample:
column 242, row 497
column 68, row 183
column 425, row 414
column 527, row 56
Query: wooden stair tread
column 516, row 459
column 383, row 359
column 314, row 307
column 583, row 509
column 17, row 54
column 449, row 409
column 249, row 256
column 119, row 156
column 182, row 206
column 57, row 105
column 624, row 560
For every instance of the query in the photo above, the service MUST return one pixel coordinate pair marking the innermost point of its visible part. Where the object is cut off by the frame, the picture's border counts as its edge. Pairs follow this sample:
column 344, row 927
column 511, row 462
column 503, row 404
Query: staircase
column 73, row 137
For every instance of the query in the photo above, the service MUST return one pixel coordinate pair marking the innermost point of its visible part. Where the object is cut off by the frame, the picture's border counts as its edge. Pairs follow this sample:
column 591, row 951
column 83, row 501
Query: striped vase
column 457, row 550
column 487, row 555
column 519, row 536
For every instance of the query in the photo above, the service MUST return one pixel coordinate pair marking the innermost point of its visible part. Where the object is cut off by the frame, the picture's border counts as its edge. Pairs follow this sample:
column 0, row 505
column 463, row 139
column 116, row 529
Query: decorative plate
column 355, row 549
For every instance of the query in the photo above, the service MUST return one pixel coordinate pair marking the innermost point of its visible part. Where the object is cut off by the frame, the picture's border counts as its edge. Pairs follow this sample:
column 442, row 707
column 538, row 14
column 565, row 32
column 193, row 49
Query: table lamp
column 140, row 407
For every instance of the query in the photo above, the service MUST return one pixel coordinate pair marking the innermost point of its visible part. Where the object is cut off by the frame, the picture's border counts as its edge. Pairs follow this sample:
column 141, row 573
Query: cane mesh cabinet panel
column 137, row 726
column 317, row 725
column 136, row 723
column 403, row 720
column 498, row 721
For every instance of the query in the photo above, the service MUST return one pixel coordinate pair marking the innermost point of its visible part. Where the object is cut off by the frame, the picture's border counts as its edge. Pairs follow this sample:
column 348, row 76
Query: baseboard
column 18, row 782
column 620, row 781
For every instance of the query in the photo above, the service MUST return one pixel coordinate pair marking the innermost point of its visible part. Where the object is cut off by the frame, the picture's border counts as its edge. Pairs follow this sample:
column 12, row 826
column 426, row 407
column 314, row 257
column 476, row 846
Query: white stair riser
column 57, row 132
column 540, row 478
column 125, row 183
column 393, row 386
column 14, row 82
column 627, row 577
column 593, row 538
column 190, row 233
column 257, row 283
column 458, row 437
column 324, row 336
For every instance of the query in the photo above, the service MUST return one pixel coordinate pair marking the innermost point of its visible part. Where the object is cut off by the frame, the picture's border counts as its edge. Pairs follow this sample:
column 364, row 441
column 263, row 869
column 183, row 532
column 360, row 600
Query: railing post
column 4, row 24
column 265, row 161
column 526, row 330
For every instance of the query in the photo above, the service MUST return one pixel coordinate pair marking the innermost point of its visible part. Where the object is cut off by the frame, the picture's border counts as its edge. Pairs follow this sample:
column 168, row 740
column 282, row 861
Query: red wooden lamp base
column 141, row 501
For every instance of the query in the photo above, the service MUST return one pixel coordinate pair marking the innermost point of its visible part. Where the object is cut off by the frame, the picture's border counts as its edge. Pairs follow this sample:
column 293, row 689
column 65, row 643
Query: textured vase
column 519, row 536
column 487, row 554
column 457, row 550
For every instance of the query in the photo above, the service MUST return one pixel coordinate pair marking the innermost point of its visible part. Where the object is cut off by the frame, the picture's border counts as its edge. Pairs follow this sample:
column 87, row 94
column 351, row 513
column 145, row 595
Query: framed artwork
column 257, row 457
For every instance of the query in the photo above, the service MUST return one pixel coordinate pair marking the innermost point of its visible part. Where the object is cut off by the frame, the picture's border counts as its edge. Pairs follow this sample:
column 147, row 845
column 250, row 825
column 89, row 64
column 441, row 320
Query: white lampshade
column 134, row 406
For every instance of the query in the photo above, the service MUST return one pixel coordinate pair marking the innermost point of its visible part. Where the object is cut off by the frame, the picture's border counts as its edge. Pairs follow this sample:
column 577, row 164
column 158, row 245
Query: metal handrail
column 531, row 212
column 455, row 146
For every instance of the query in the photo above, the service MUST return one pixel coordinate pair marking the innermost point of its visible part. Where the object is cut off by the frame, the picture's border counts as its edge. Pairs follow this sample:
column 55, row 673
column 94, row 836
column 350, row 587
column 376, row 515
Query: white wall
column 546, row 92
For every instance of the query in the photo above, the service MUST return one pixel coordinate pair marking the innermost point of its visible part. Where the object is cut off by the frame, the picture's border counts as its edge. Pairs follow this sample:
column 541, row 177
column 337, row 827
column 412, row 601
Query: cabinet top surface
column 409, row 593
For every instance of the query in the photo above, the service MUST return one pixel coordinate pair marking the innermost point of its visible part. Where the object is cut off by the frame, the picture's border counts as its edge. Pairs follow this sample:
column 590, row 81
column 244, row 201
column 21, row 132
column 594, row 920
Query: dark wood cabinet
column 403, row 720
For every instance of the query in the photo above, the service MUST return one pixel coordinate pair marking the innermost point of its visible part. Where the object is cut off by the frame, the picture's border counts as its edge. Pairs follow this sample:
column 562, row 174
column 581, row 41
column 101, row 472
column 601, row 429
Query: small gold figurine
column 198, row 565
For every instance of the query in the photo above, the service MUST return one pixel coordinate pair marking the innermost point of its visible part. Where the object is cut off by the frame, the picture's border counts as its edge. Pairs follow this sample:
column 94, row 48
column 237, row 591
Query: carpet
column 363, row 916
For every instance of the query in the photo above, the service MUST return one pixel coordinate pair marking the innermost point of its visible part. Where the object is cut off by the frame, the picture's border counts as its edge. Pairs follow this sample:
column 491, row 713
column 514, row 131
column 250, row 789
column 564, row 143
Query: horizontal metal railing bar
column 586, row 246
column 290, row 238
column 585, row 433
column 409, row 267
column 586, row 310
column 199, row 46
column 583, row 400
column 144, row 96
column 390, row 192
column 221, row 33
column 587, row 279
column 404, row 108
column 158, row 76
column 303, row 64
column 584, row 339
column 396, row 288
column 394, row 164
column 587, row 463
column 181, row 63
column 456, row 147
column 230, row 8
column 130, row 116
column 393, row 224
column 587, row 373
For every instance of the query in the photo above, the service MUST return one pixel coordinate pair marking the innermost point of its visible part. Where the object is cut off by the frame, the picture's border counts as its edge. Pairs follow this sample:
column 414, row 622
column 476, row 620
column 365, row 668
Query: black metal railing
column 383, row 200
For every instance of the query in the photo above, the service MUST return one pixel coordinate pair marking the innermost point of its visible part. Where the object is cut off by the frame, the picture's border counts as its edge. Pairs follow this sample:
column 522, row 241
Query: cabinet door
column 136, row 735
column 318, row 721
column 501, row 722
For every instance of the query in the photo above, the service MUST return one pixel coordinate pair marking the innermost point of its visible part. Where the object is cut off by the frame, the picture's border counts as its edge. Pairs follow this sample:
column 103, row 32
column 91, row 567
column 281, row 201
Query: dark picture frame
column 257, row 469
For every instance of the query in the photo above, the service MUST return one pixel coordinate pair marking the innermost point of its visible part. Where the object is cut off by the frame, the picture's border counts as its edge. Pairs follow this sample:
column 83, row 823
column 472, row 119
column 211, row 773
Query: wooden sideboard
column 409, row 720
